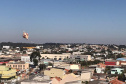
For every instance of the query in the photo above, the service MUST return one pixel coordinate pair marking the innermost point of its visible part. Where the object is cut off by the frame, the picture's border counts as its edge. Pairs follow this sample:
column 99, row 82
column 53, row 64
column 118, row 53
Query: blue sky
column 63, row 21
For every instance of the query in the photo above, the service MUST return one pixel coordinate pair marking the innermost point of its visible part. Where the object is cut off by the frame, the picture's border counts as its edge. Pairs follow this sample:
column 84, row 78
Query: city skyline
column 64, row 21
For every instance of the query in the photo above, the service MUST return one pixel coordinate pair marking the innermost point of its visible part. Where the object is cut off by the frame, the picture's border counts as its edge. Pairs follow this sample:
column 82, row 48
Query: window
column 59, row 58
column 114, row 70
column 121, row 70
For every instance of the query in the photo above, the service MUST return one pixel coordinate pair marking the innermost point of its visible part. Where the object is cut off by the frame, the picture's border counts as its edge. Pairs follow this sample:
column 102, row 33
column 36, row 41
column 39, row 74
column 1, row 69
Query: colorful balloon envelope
column 25, row 35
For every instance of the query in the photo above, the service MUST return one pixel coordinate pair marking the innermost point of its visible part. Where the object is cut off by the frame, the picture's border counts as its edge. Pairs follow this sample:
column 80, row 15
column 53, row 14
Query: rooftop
column 121, row 59
column 116, row 81
column 21, row 62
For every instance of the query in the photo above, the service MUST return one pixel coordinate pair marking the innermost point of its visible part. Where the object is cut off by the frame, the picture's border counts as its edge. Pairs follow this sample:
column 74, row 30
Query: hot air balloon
column 25, row 35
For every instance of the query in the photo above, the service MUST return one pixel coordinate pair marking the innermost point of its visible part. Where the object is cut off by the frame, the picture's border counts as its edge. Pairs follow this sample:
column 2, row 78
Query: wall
column 54, row 72
column 52, row 56
column 86, row 76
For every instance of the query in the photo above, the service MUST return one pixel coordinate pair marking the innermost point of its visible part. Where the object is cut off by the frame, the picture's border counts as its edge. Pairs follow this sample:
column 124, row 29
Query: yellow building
column 29, row 47
column 7, row 72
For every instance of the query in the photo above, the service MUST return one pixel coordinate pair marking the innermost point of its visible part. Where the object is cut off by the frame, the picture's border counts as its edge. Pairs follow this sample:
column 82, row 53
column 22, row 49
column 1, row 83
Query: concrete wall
column 85, row 76
column 19, row 66
column 25, row 58
column 53, row 72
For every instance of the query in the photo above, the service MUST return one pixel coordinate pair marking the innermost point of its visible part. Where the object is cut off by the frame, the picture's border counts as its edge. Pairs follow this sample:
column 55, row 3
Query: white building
column 77, row 53
column 55, row 56
column 75, row 67
column 6, row 47
column 99, row 70
column 26, row 59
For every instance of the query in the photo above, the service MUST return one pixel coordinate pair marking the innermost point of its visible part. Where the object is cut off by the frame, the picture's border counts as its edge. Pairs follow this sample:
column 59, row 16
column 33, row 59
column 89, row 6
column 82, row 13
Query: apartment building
column 18, row 65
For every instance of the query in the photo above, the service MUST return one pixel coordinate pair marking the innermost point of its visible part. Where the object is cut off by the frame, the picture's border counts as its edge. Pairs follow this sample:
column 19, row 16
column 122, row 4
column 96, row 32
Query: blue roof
column 121, row 59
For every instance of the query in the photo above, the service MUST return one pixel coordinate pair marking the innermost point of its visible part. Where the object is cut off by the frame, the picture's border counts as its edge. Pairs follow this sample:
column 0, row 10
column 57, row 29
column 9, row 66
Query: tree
column 47, row 58
column 116, row 72
column 86, row 82
column 107, row 70
column 42, row 66
column 35, row 55
column 70, row 71
column 35, row 61
column 122, row 77
column 50, row 64
column 95, row 71
column 4, row 64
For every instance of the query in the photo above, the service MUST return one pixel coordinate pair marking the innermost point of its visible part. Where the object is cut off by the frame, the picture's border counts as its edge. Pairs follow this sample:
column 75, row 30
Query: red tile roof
column 66, row 70
column 116, row 81
column 57, row 78
column 110, row 63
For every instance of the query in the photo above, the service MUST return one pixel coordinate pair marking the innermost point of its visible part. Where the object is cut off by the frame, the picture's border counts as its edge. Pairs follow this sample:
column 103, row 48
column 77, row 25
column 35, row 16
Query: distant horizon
column 64, row 43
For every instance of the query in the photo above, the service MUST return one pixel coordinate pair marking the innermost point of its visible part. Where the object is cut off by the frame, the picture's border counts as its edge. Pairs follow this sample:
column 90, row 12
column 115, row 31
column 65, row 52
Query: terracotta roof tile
column 57, row 78
column 66, row 70
column 116, row 81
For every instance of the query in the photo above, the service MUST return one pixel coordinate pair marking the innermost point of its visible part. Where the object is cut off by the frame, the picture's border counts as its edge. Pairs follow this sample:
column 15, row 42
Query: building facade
column 117, row 70
column 6, row 72
column 55, row 72
column 18, row 65
column 25, row 58
column 55, row 56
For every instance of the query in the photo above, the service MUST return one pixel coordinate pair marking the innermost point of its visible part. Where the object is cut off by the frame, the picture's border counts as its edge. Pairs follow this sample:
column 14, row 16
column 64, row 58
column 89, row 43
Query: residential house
column 101, row 65
column 117, row 70
column 100, row 68
column 122, row 61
